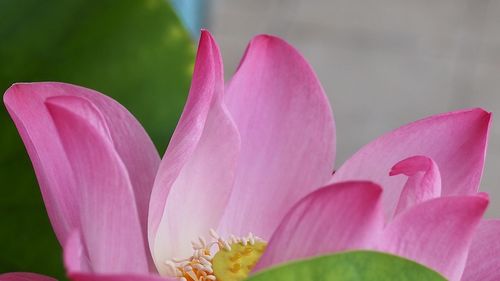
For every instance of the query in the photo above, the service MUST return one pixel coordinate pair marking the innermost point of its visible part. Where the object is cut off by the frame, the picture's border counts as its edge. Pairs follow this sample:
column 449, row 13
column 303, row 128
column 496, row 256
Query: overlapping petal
column 436, row 233
column 197, row 172
column 483, row 262
column 78, row 268
column 456, row 141
column 25, row 103
column 338, row 217
column 75, row 255
column 287, row 136
column 109, row 218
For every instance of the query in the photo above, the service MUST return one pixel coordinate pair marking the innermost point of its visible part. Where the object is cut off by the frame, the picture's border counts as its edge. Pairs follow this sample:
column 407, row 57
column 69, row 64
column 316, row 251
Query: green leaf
column 350, row 266
column 133, row 50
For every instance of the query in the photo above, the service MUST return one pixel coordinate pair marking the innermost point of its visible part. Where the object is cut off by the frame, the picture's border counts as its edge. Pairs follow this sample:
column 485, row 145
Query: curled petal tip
column 411, row 165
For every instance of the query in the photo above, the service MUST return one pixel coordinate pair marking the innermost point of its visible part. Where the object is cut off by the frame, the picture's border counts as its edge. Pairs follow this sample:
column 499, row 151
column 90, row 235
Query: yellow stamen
column 233, row 260
column 236, row 264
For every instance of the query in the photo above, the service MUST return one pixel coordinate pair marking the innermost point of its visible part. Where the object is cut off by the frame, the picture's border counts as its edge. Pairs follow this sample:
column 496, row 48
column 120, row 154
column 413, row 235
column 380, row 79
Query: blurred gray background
column 382, row 63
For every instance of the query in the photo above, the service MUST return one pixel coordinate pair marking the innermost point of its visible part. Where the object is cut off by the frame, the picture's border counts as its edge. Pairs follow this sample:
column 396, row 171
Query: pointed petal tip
column 483, row 199
column 207, row 40
column 484, row 116
column 8, row 95
column 17, row 85
column 475, row 111
column 16, row 89
column 208, row 51
column 20, row 88
column 370, row 188
column 482, row 202
column 276, row 43
column 376, row 188
column 269, row 41
column 264, row 38
column 482, row 111
column 484, row 195
column 205, row 34
column 487, row 116
column 478, row 202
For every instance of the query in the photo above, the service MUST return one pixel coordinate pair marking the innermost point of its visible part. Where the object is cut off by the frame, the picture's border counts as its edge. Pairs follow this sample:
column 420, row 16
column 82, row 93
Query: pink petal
column 424, row 181
column 109, row 218
column 287, row 136
column 76, row 258
column 24, row 276
column 456, row 141
column 436, row 233
column 25, row 103
column 339, row 217
column 197, row 171
column 483, row 262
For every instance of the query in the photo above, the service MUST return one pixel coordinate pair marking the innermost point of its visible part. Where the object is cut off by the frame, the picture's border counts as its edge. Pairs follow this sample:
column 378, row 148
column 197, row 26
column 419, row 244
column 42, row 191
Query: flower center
column 219, row 259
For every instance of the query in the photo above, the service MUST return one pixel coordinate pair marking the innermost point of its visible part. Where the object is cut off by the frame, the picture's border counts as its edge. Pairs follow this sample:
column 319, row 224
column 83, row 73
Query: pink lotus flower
column 250, row 158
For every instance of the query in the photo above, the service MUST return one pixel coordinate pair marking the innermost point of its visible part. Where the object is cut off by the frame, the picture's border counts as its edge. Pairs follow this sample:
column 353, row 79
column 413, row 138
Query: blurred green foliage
column 350, row 266
column 133, row 50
